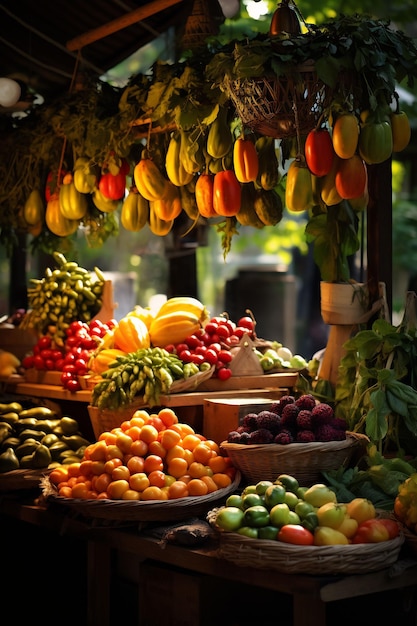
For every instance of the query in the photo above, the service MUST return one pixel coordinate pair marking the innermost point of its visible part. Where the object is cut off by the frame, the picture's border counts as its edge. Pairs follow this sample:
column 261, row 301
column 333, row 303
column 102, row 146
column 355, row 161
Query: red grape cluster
column 213, row 343
column 72, row 359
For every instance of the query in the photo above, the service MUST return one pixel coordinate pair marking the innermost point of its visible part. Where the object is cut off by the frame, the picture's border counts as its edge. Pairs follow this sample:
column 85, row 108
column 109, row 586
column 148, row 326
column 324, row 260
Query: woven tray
column 149, row 511
column 305, row 461
column 22, row 479
column 291, row 559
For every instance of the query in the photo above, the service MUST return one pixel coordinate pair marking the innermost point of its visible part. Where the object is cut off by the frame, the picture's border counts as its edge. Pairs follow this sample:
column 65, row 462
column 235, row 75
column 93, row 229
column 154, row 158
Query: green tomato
column 267, row 363
column 290, row 482
column 248, row 531
column 256, row 516
column 262, row 486
column 298, row 362
column 268, row 532
column 235, row 500
column 279, row 515
column 249, row 489
column 274, row 494
column 303, row 508
column 294, row 518
column 229, row 518
column 310, row 521
column 301, row 491
column 252, row 499
column 291, row 499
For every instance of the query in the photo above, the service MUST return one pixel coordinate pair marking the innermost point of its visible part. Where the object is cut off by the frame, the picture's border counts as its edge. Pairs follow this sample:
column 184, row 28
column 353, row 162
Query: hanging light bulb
column 9, row 92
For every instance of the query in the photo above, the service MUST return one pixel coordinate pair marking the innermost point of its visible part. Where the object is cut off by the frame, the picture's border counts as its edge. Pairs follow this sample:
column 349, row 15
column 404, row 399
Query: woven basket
column 280, row 106
column 22, row 479
column 292, row 559
column 103, row 420
column 147, row 511
column 304, row 461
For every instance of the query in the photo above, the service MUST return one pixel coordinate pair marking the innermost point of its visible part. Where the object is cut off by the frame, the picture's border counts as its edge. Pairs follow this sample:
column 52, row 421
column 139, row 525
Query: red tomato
column 38, row 362
column 392, row 526
column 185, row 356
column 225, row 356
column 73, row 385
column 193, row 341
column 44, row 342
column 28, row 361
column 211, row 327
column 210, row 356
column 223, row 331
column 246, row 322
column 296, row 534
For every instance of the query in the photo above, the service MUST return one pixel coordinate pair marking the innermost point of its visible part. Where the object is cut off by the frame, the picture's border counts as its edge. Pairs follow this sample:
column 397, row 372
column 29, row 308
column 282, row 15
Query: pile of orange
column 151, row 456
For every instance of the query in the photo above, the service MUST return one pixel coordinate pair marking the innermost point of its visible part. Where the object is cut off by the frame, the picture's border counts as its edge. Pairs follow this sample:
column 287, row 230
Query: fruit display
column 36, row 438
column 151, row 456
column 290, row 420
column 283, row 511
column 65, row 294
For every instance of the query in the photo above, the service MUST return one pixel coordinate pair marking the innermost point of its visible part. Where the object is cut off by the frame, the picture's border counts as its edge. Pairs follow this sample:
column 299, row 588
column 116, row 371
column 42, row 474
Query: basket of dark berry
column 294, row 436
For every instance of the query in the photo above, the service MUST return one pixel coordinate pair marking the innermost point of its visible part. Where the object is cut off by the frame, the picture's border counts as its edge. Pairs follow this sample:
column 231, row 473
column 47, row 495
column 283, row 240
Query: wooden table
column 310, row 594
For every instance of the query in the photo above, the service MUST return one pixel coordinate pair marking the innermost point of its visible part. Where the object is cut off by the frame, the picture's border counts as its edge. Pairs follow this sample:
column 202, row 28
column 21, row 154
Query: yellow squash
column 131, row 334
column 173, row 328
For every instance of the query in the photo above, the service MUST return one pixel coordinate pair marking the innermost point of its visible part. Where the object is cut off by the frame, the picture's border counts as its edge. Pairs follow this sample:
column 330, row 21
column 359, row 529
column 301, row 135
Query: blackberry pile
column 290, row 420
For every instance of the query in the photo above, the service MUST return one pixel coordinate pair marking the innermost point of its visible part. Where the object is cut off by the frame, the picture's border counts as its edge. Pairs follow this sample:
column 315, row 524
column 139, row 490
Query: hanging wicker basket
column 281, row 106
column 203, row 22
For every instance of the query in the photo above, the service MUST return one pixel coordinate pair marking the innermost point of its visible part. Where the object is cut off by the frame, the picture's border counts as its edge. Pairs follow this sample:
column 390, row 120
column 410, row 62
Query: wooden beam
column 121, row 22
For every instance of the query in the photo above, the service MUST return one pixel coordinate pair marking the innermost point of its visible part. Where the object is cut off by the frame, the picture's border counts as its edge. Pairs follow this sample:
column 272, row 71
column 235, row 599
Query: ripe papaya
column 175, row 170
column 189, row 203
column 345, row 135
column 157, row 226
column 401, row 131
column 55, row 221
column 149, row 180
column 73, row 204
column 227, row 193
column 135, row 211
column 34, row 209
column 103, row 204
column 351, row 177
column 219, row 138
column 298, row 188
column 204, row 195
column 169, row 207
column 268, row 206
column 327, row 185
column 245, row 160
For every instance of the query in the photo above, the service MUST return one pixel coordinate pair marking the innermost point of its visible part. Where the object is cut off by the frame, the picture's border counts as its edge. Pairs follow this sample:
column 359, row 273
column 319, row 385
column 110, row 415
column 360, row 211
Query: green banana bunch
column 148, row 371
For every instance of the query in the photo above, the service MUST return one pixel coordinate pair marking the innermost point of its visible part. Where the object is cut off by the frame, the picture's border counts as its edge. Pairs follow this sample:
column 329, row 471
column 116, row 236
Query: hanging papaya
column 73, row 203
column 204, row 195
column 149, row 180
column 268, row 168
column 85, row 175
column 247, row 215
column 156, row 225
column 173, row 163
column 375, row 141
column 103, row 204
column 245, row 160
column 327, row 185
column 319, row 151
column 169, row 207
column 113, row 186
column 345, row 135
column 226, row 193
column 268, row 206
column 135, row 211
column 351, row 177
column 189, row 203
column 401, row 130
column 298, row 188
column 55, row 221
column 219, row 138
column 34, row 209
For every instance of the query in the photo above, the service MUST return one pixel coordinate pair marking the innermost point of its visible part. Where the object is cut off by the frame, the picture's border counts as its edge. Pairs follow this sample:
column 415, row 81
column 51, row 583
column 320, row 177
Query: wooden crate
column 221, row 416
